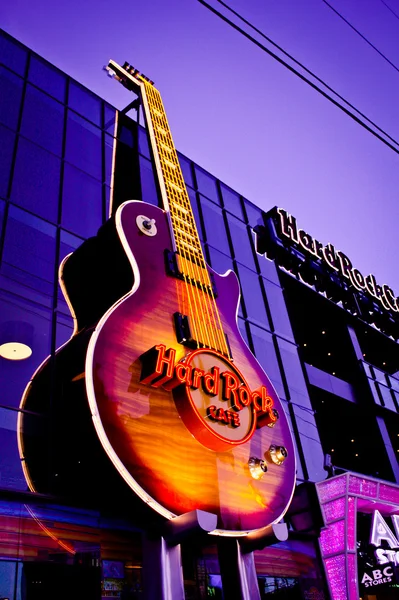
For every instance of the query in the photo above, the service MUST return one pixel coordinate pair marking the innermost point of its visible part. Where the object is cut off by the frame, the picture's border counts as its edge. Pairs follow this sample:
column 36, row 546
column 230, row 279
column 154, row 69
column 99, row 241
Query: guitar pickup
column 190, row 270
column 183, row 332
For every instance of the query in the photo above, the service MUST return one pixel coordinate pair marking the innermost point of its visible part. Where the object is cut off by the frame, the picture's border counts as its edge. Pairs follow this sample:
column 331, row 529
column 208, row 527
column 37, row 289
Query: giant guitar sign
column 180, row 405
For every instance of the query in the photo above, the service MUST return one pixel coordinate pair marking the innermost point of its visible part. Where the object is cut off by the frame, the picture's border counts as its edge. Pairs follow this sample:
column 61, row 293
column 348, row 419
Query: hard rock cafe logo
column 211, row 394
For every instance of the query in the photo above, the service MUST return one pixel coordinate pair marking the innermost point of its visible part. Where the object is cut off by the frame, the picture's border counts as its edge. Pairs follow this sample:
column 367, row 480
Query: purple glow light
column 352, row 576
column 332, row 488
column 363, row 487
column 351, row 524
column 389, row 493
column 334, row 510
column 336, row 572
column 332, row 539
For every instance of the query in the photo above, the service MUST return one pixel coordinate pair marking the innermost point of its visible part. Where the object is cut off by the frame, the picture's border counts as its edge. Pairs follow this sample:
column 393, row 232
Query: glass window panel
column 144, row 148
column 83, row 145
column 148, row 187
column 10, row 98
column 266, row 355
column 2, row 208
column 8, row 571
column 7, row 140
column 43, row 120
column 46, row 77
column 299, row 471
column 207, row 184
column 254, row 214
column 374, row 391
column 253, row 299
column 12, row 55
column 394, row 383
column 81, row 202
column 194, row 205
column 367, row 369
column 85, row 103
column 33, row 326
column 11, row 474
column 109, row 118
column 243, row 330
column 268, row 269
column 386, row 397
column 379, row 376
column 109, row 152
column 232, row 201
column 278, row 309
column 214, row 226
column 222, row 263
column 36, row 180
column 292, row 366
column 29, row 251
column 241, row 242
column 186, row 170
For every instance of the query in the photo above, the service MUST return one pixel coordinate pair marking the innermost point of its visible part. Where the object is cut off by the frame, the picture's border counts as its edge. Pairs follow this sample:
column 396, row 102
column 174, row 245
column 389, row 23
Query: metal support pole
column 162, row 565
column 237, row 562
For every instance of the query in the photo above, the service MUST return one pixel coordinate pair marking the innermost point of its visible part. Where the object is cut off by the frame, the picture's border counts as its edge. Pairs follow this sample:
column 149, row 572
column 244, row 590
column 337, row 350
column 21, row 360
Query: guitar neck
column 173, row 190
column 204, row 315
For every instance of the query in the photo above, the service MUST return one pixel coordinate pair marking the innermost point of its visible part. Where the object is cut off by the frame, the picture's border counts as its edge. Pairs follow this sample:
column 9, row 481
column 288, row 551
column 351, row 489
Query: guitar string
column 182, row 249
column 209, row 307
column 190, row 297
column 199, row 269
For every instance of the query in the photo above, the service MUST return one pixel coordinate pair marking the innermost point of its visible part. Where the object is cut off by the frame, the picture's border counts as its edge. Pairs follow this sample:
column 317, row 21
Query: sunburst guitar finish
column 144, row 430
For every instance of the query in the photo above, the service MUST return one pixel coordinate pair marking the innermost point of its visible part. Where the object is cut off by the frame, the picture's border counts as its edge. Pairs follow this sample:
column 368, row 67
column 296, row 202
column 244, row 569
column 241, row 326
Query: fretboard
column 198, row 302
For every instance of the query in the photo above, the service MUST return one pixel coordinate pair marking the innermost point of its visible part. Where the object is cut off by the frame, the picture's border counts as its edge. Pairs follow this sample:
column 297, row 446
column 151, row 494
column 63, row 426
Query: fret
column 189, row 246
column 191, row 262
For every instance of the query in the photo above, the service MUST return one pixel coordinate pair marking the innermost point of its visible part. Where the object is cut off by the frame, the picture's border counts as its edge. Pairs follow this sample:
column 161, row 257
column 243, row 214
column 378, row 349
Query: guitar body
column 143, row 429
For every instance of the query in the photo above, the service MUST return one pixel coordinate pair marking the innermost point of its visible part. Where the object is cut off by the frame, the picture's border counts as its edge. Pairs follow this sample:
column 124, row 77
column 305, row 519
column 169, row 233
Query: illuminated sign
column 328, row 270
column 211, row 395
column 336, row 260
column 378, row 552
column 380, row 532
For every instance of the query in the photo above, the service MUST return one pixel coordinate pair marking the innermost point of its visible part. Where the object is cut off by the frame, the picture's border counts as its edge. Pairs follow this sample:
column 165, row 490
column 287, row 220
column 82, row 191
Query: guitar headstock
column 127, row 75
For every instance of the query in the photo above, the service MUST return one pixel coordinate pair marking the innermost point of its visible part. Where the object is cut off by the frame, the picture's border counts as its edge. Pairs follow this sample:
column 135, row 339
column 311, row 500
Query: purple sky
column 241, row 115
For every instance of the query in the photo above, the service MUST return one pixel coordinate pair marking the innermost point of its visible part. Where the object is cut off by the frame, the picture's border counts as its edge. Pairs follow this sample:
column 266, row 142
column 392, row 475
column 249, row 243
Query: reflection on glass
column 85, row 103
column 36, row 180
column 81, row 202
column 46, row 77
column 43, row 120
column 12, row 54
column 10, row 98
column 83, row 145
column 206, row 184
column 7, row 140
column 214, row 225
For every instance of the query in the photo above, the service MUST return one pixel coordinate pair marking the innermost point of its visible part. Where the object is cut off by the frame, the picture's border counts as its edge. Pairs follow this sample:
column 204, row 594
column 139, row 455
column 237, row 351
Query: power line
column 389, row 8
column 306, row 69
column 303, row 78
column 361, row 35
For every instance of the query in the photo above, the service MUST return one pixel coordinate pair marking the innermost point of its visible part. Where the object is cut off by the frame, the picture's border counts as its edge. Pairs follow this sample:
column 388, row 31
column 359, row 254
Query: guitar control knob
column 271, row 423
column 257, row 467
column 146, row 225
column 276, row 454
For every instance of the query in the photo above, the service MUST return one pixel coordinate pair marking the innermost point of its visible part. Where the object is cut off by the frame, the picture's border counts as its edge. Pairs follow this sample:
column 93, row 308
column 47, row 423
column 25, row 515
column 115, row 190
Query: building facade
column 331, row 354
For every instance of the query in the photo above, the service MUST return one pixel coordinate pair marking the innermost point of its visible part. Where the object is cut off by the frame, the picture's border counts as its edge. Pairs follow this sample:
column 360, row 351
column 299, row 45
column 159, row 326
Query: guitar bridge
column 193, row 272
